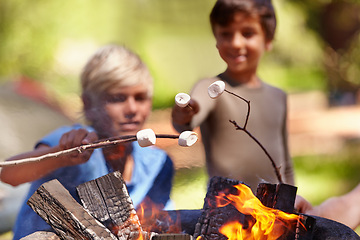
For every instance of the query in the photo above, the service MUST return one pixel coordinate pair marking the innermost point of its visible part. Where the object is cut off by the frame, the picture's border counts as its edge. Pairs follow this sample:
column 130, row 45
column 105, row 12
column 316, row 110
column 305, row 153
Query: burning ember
column 232, row 211
column 264, row 223
column 153, row 219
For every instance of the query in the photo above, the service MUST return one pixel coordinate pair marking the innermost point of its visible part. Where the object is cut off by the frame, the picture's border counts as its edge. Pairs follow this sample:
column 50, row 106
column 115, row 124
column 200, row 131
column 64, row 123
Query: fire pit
column 108, row 213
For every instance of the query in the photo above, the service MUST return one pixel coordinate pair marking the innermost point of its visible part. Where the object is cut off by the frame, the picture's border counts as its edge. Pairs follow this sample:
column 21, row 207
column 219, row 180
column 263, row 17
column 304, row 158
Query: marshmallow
column 146, row 137
column 182, row 99
column 216, row 89
column 187, row 138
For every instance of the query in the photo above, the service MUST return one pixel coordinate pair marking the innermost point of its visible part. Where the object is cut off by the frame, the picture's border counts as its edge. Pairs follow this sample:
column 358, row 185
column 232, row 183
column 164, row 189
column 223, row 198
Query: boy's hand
column 184, row 115
column 75, row 138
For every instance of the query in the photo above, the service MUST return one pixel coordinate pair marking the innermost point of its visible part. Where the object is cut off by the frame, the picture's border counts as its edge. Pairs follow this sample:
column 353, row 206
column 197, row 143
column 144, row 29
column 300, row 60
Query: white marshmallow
column 216, row 89
column 146, row 137
column 182, row 99
column 187, row 138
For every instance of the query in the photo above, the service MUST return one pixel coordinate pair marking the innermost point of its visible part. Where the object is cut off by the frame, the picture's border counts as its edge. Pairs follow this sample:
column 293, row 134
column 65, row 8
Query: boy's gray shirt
column 232, row 153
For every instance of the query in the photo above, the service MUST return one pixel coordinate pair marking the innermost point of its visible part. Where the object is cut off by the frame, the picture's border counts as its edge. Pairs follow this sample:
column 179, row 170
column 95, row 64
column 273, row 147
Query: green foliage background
column 173, row 38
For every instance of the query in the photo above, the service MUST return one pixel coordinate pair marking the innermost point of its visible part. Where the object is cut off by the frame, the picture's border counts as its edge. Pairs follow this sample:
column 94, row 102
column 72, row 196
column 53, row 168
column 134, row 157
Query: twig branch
column 248, row 105
column 278, row 175
column 100, row 144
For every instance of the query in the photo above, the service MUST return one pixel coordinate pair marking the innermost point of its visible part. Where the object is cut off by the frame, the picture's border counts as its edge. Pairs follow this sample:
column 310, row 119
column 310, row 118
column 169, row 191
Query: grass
column 189, row 188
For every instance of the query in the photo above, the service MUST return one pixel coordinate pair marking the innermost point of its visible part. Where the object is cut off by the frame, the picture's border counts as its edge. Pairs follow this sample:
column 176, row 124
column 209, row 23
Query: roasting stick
column 100, row 144
column 215, row 90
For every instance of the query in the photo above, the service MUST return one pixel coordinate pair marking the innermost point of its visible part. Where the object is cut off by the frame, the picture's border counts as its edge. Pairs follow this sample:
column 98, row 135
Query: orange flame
column 268, row 224
column 135, row 221
column 153, row 219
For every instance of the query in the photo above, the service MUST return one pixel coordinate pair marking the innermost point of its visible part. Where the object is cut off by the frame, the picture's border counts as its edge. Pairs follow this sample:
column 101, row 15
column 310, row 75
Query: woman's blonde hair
column 114, row 66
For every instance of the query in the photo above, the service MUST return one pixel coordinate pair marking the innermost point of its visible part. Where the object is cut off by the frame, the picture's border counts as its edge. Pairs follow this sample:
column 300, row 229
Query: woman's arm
column 18, row 174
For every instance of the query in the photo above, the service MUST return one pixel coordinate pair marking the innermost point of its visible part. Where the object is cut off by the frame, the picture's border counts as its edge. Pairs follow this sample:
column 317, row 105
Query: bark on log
column 107, row 199
column 41, row 235
column 66, row 216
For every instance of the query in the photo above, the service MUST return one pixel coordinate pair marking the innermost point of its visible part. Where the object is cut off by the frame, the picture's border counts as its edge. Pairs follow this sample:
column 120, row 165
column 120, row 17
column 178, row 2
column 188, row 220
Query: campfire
column 230, row 211
column 258, row 221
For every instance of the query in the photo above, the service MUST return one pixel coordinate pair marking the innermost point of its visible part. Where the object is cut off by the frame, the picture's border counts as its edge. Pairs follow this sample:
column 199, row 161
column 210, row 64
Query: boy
column 243, row 30
column 117, row 97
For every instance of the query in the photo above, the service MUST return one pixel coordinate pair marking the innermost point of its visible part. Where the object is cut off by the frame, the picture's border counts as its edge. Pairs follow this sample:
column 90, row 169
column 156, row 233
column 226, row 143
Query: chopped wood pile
column 107, row 212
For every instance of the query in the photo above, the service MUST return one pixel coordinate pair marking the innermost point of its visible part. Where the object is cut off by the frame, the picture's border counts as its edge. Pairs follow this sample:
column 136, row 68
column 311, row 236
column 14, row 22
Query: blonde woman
column 117, row 94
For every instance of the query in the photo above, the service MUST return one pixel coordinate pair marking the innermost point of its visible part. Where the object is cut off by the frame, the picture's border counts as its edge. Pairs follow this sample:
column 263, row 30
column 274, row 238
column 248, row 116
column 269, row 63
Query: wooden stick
column 100, row 144
column 276, row 169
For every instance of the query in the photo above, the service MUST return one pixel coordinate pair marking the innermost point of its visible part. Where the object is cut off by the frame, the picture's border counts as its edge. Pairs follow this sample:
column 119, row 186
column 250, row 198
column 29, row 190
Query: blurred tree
column 28, row 36
column 337, row 22
column 175, row 40
column 49, row 40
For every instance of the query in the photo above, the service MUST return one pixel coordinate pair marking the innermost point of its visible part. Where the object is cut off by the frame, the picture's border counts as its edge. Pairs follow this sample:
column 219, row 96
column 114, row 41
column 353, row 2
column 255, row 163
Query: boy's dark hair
column 224, row 11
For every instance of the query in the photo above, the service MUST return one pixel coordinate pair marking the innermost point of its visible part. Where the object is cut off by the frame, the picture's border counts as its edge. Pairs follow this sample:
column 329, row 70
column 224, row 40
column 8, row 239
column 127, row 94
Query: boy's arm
column 182, row 116
column 201, row 105
column 18, row 174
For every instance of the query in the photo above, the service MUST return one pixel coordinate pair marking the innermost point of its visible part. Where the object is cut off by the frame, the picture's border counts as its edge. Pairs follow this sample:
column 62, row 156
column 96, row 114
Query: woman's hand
column 75, row 138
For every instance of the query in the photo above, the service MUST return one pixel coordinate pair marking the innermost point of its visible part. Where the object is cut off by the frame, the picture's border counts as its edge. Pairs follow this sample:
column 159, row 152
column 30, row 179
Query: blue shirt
column 151, row 177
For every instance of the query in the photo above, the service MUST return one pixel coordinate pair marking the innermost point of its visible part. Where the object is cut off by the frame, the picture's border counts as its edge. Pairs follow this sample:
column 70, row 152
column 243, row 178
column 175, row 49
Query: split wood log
column 52, row 201
column 41, row 235
column 107, row 199
column 279, row 196
column 65, row 215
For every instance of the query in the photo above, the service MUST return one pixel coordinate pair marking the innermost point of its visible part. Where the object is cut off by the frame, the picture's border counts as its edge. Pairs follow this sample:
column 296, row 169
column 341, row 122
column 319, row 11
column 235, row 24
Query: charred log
column 279, row 196
column 323, row 229
column 66, row 216
column 213, row 217
column 107, row 199
column 215, row 214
